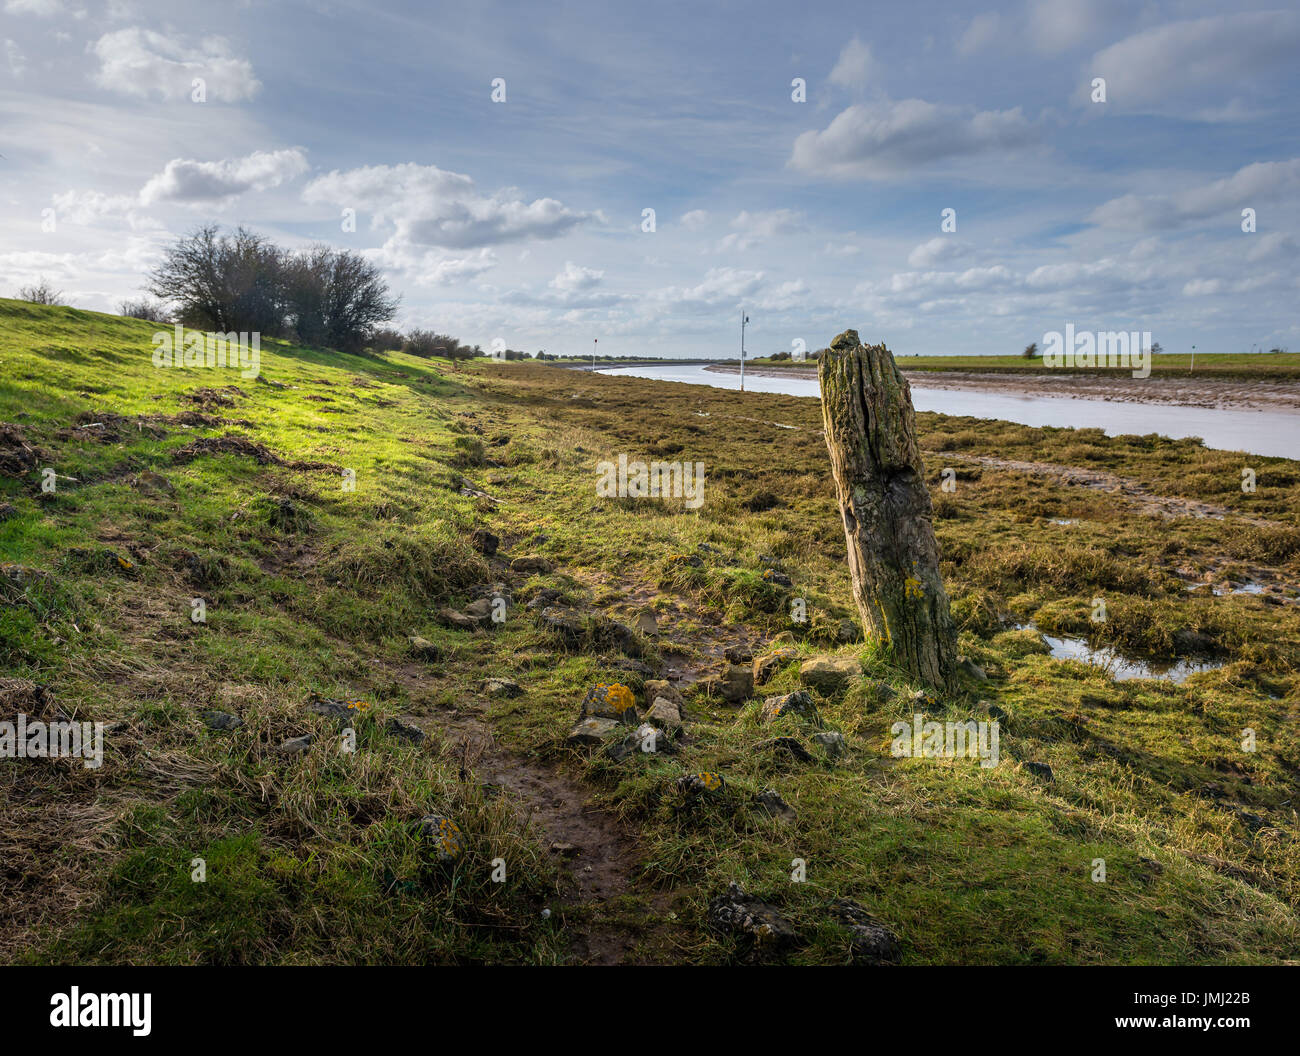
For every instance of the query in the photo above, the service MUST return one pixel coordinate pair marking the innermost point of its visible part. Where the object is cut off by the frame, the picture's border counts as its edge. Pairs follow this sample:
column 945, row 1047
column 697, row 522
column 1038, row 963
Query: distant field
column 1263, row 366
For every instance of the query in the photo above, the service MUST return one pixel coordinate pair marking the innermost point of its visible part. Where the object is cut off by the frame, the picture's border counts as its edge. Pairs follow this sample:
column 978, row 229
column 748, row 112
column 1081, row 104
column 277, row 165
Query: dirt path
column 603, row 859
column 1126, row 488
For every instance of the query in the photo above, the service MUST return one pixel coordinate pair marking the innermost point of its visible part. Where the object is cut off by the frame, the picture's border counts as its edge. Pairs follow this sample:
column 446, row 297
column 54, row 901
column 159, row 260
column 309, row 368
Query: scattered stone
column 665, row 714
column 445, row 835
column 343, row 710
column 758, row 924
column 530, row 565
column 7, row 510
column 661, row 687
column 480, row 611
column 502, row 687
column 704, row 783
column 484, row 541
column 766, row 666
column 832, row 743
column 543, row 598
column 565, row 623
column 800, row 703
column 564, row 850
column 790, row 747
column 16, row 579
column 221, row 720
column 735, row 684
column 741, row 653
column 295, row 745
column 646, row 623
column 404, row 731
column 847, row 632
column 969, row 667
column 423, row 649
column 459, row 620
column 1040, row 770
column 772, row 575
column 592, row 731
column 872, row 943
column 771, row 802
column 646, row 739
column 610, row 701
column 829, row 675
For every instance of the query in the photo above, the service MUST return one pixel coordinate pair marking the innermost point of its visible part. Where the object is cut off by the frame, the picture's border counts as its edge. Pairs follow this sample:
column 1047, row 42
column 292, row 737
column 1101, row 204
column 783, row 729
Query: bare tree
column 243, row 282
column 41, row 293
column 149, row 310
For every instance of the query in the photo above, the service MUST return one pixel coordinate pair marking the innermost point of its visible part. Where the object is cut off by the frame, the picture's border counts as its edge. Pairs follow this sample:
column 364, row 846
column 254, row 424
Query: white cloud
column 15, row 58
column 450, row 270
column 695, row 219
column 1251, row 186
column 855, row 65
column 982, row 33
column 42, row 8
column 1170, row 61
column 429, row 206
column 85, row 208
column 719, row 286
column 141, row 62
column 575, row 278
column 886, row 139
column 749, row 229
column 204, row 182
column 1055, row 25
column 941, row 247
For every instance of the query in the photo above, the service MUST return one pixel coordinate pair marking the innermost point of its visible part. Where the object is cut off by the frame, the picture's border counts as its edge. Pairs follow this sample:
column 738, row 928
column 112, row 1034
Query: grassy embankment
column 312, row 589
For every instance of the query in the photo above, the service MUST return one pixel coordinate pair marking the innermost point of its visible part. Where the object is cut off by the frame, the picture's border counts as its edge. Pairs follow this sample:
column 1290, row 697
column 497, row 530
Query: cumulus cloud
column 719, row 286
column 142, row 63
column 941, row 247
column 89, row 207
column 429, row 206
column 855, row 65
column 575, row 278
column 1205, row 54
column 749, row 229
column 885, row 139
column 206, row 182
column 1263, row 181
column 695, row 219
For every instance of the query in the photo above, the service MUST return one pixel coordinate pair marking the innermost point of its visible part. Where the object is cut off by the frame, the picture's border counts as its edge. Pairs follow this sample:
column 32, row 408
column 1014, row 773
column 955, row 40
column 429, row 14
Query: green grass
column 311, row 588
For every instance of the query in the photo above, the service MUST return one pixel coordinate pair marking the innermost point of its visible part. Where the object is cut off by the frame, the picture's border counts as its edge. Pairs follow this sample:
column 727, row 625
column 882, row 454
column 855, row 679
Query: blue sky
column 522, row 220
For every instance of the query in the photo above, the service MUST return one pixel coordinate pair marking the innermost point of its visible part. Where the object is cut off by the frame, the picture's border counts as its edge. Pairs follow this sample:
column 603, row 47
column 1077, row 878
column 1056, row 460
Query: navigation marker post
column 743, row 320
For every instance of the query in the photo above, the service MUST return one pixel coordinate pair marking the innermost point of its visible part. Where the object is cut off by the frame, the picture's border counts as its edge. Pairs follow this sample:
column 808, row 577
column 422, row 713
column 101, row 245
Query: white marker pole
column 743, row 320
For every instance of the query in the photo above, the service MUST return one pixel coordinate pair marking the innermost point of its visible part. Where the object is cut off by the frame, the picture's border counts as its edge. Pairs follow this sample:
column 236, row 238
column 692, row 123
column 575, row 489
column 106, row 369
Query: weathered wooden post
column 879, row 476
